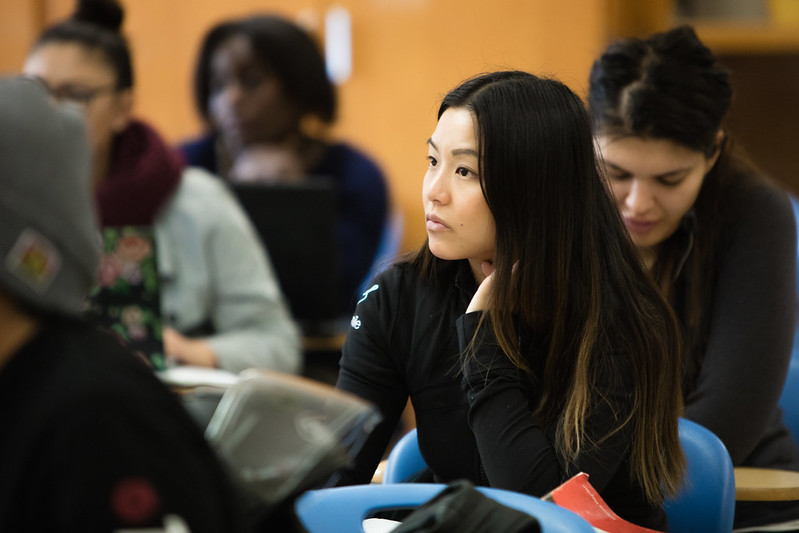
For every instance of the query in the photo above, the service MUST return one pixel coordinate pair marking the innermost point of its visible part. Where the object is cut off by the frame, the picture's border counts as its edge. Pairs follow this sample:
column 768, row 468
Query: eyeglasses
column 76, row 94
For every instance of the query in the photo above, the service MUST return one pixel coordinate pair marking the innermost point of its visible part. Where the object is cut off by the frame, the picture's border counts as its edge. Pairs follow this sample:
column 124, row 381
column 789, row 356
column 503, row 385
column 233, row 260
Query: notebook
column 297, row 224
column 126, row 299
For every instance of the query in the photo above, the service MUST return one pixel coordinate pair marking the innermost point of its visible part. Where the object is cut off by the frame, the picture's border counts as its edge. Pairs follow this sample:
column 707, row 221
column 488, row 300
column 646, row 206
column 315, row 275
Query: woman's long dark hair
column 670, row 86
column 566, row 268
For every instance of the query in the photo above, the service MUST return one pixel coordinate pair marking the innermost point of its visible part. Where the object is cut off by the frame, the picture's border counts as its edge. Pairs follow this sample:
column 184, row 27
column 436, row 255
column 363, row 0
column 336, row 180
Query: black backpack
column 462, row 508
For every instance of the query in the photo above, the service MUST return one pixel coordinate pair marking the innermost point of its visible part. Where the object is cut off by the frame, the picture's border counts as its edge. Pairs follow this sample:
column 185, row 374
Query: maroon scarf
column 143, row 175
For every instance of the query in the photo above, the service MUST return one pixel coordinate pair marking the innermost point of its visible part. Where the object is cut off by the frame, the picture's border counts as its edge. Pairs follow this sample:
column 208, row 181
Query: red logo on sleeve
column 135, row 501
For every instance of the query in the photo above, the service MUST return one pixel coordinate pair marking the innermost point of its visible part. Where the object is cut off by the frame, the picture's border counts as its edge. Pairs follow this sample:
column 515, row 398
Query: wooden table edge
column 766, row 484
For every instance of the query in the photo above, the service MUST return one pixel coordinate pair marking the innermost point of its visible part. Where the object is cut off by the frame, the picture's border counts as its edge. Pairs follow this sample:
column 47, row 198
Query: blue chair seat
column 345, row 508
column 705, row 503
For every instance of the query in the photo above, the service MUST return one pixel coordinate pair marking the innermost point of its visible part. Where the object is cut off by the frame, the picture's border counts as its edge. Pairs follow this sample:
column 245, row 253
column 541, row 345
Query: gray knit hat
column 48, row 227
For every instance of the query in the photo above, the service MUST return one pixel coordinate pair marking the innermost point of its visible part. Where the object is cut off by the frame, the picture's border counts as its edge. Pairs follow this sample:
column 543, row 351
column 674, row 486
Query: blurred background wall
column 407, row 53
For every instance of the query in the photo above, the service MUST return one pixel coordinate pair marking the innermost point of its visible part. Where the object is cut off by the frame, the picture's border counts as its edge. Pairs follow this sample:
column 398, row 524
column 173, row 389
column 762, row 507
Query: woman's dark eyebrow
column 457, row 151
column 464, row 151
column 615, row 167
column 673, row 173
column 669, row 174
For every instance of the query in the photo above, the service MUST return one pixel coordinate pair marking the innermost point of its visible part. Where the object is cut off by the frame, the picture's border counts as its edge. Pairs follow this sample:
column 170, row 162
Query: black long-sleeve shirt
column 749, row 323
column 404, row 342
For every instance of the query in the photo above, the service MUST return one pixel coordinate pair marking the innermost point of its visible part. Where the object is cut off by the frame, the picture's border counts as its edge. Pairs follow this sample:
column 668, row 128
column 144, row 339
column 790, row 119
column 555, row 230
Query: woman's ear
column 122, row 110
column 720, row 137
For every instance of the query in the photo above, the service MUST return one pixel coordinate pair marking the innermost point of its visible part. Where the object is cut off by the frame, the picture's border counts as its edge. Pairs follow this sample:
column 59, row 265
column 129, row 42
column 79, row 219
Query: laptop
column 297, row 225
column 126, row 298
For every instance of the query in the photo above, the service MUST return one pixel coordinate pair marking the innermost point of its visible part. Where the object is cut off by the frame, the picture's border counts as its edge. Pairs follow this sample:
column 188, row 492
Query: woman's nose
column 640, row 197
column 435, row 188
column 232, row 93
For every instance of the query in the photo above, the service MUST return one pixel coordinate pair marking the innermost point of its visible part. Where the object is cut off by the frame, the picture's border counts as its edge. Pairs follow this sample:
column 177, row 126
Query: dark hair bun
column 107, row 14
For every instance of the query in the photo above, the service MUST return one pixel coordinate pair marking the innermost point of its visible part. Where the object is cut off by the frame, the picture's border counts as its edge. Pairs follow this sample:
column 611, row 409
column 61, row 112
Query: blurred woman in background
column 262, row 88
column 219, row 298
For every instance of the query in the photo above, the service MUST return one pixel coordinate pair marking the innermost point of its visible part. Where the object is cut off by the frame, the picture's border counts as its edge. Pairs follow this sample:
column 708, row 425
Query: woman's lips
column 637, row 225
column 434, row 223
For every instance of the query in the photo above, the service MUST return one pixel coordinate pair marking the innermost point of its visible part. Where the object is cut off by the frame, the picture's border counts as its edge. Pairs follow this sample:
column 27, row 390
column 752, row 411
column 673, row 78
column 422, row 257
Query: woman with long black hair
column 528, row 336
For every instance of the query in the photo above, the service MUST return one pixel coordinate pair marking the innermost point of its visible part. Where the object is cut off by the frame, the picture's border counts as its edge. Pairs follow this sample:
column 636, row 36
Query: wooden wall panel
column 20, row 21
column 407, row 54
column 764, row 118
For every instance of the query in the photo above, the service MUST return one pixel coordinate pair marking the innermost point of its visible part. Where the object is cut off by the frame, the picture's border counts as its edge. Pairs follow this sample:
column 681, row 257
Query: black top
column 749, row 322
column 404, row 342
column 92, row 441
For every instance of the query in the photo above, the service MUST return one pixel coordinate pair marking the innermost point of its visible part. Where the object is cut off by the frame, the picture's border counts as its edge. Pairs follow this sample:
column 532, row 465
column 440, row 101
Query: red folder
column 578, row 496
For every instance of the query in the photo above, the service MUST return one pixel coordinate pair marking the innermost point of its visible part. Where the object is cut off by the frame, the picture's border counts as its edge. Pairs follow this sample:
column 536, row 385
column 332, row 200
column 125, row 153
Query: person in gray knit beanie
column 48, row 229
column 92, row 440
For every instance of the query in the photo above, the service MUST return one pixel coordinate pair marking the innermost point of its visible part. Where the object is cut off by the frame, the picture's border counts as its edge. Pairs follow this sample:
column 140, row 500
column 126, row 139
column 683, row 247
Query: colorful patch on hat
column 34, row 260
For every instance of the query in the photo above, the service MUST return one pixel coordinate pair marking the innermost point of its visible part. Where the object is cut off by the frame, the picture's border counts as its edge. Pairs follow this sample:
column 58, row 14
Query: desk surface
column 766, row 484
column 324, row 343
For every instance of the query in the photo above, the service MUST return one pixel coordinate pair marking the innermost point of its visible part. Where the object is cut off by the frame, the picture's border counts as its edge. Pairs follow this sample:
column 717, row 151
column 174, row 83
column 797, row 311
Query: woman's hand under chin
column 482, row 295
column 267, row 164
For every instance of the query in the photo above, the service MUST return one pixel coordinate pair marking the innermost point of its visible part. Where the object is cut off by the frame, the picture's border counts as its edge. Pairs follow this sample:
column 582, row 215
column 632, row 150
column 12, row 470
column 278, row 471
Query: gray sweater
column 216, row 278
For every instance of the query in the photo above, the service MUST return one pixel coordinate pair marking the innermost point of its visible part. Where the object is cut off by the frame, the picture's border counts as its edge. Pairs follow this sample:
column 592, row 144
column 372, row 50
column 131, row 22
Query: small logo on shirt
column 355, row 322
column 367, row 291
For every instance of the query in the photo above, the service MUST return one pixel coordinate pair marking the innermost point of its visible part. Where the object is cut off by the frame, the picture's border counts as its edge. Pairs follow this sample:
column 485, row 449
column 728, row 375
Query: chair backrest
column 387, row 248
column 405, row 459
column 789, row 400
column 345, row 508
column 795, row 205
column 706, row 502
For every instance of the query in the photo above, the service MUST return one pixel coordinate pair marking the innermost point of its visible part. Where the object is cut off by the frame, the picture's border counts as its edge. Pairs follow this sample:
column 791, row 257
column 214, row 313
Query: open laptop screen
column 297, row 224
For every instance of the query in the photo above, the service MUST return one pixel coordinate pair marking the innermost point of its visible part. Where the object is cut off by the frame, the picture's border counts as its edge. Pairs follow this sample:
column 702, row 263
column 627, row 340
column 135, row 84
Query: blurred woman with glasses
column 219, row 297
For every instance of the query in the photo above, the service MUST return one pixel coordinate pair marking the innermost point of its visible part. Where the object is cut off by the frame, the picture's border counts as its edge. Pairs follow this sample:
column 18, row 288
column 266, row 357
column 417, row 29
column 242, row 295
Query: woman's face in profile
column 458, row 220
column 247, row 101
column 654, row 182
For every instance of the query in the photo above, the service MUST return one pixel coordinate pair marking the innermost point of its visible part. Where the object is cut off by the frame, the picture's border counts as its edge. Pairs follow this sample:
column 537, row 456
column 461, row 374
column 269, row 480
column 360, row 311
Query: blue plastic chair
column 795, row 205
column 387, row 248
column 789, row 400
column 405, row 459
column 344, row 508
column 706, row 502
